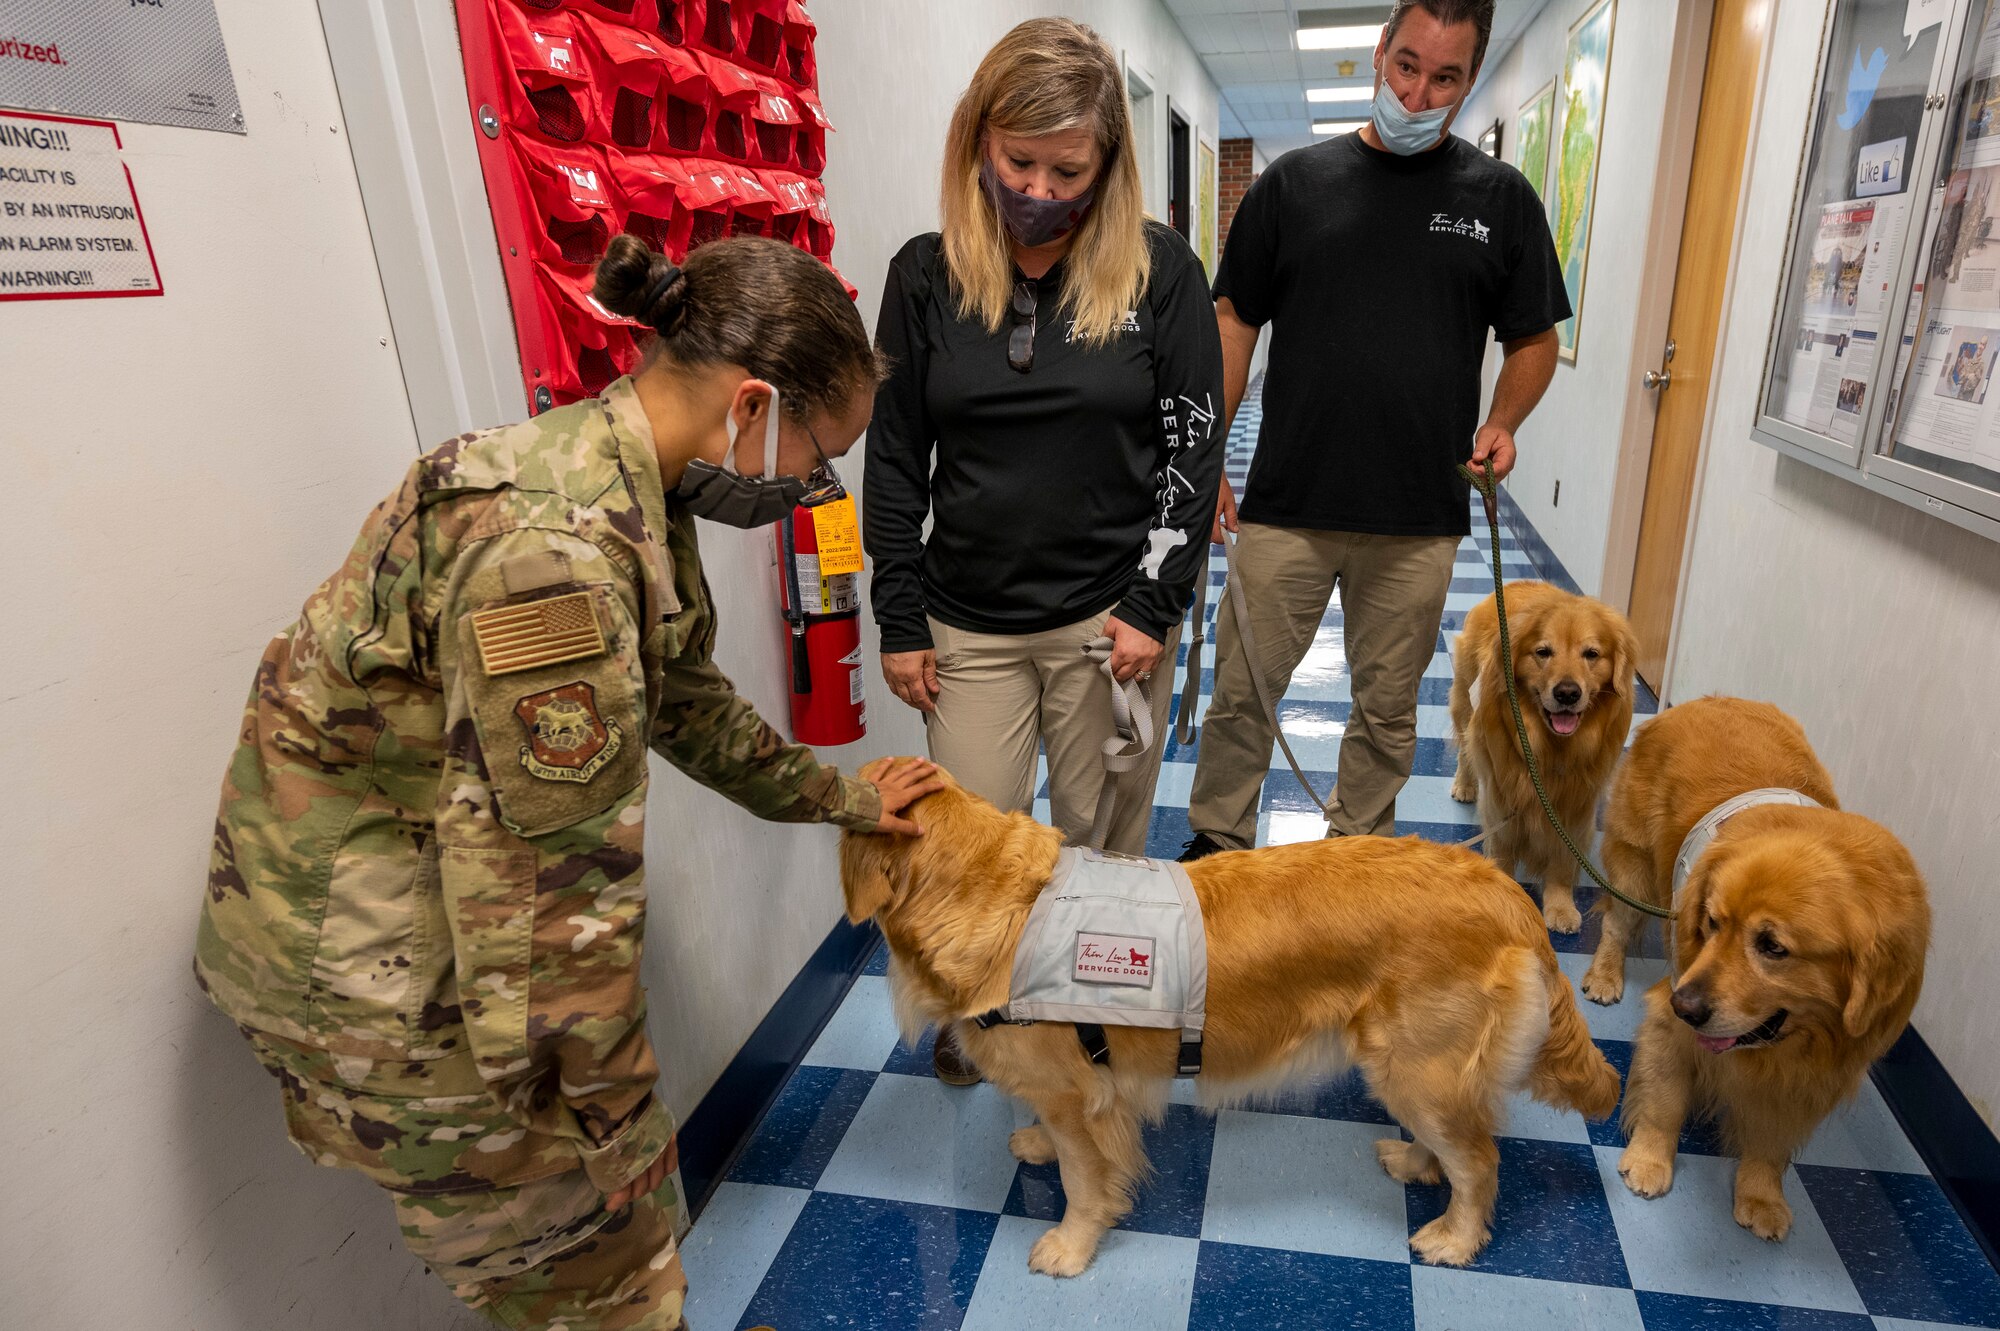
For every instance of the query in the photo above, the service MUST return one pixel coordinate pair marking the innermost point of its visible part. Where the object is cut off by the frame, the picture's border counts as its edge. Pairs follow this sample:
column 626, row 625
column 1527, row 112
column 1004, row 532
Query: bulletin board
column 1887, row 328
column 677, row 121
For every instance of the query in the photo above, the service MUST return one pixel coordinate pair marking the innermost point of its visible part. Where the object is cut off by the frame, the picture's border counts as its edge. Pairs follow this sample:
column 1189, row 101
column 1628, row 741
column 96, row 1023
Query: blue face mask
column 1402, row 131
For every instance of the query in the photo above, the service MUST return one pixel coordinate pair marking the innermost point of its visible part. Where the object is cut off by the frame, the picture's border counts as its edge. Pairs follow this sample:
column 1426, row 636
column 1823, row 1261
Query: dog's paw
column 1604, row 984
column 1407, row 1162
column 1645, row 1177
column 1058, row 1254
column 1032, row 1145
column 1562, row 916
column 1766, row 1217
column 1464, row 789
column 1441, row 1245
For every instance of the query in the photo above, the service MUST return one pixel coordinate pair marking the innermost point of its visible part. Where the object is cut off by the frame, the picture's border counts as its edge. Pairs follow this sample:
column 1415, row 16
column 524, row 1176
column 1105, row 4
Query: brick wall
column 1234, row 165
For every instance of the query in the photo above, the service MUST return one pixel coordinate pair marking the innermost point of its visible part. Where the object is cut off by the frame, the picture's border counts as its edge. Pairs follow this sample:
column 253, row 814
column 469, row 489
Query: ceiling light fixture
column 1338, row 94
column 1341, row 29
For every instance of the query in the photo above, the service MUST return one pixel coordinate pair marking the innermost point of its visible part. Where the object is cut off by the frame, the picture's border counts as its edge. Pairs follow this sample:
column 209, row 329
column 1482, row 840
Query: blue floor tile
column 878, row 960
column 1551, row 1221
column 1345, row 1098
column 867, row 1265
column 1169, row 1202
column 916, row 1139
column 1688, row 1242
column 1258, row 1289
column 917, row 1062
column 1453, row 1300
column 1677, row 1312
column 726, row 1258
column 1138, row 1282
column 1305, row 1185
column 1909, row 1253
column 803, row 1128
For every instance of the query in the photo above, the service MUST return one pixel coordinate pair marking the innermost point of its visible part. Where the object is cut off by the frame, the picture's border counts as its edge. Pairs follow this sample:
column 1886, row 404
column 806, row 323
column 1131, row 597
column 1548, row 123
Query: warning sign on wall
column 69, row 218
column 157, row 62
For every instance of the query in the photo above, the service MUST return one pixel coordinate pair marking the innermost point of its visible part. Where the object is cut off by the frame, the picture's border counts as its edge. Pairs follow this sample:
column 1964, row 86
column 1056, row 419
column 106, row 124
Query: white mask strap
column 770, row 439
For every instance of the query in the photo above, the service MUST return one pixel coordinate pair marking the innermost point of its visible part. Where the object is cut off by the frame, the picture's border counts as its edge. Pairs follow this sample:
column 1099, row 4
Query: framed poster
column 1205, row 218
column 144, row 61
column 1531, row 138
column 1489, row 142
column 1586, row 73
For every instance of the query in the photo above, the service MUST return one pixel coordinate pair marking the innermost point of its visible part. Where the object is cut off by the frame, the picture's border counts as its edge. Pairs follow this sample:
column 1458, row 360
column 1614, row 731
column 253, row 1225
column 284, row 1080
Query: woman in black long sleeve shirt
column 1052, row 402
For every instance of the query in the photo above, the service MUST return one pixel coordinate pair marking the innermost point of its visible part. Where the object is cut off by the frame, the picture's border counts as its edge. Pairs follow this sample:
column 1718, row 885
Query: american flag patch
column 537, row 633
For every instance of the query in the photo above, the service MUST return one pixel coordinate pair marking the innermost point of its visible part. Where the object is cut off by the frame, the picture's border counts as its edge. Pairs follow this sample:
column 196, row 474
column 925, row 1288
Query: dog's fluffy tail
column 1570, row 1072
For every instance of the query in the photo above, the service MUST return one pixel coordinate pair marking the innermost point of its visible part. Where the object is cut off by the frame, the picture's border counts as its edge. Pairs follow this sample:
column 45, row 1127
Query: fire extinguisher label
column 855, row 688
column 820, row 595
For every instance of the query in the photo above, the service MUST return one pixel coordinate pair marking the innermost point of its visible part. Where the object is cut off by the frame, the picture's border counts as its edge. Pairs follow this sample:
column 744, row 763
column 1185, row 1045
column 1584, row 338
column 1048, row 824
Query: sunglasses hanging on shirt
column 1021, row 341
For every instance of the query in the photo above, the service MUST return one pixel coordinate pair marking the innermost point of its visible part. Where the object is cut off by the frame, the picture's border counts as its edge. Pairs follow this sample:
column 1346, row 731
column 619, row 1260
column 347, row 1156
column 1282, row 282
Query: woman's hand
column 655, row 1175
column 913, row 677
column 1133, row 653
column 1225, row 512
column 901, row 782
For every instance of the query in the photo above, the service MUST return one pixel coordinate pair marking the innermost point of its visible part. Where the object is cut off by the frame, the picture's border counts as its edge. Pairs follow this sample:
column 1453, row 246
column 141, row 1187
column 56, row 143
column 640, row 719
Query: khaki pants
column 1000, row 693
column 1392, row 592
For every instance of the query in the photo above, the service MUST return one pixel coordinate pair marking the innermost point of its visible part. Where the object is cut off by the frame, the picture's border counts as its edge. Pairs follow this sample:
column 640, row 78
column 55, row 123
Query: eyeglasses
column 1021, row 342
column 823, row 485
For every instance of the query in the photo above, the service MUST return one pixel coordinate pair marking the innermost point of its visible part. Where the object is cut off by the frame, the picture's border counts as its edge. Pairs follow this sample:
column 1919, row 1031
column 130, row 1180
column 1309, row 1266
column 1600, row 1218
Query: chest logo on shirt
column 1446, row 224
column 1128, row 324
column 567, row 739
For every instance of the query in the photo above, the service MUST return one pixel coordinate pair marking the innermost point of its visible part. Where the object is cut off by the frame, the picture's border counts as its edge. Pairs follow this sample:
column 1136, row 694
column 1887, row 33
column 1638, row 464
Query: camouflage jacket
column 430, row 841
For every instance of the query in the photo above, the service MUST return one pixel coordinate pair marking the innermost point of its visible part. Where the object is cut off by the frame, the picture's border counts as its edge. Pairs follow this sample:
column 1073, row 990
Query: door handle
column 1663, row 376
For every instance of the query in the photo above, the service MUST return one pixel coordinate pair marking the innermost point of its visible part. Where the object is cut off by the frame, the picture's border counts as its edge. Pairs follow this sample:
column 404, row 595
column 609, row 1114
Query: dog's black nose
column 1568, row 694
column 1692, row 1007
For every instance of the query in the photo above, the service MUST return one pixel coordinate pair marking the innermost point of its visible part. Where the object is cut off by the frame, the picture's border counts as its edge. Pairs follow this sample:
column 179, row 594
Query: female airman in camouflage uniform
column 424, row 906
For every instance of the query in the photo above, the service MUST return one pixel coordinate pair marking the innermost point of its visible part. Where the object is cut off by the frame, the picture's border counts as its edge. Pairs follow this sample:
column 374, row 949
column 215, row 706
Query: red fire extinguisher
column 823, row 628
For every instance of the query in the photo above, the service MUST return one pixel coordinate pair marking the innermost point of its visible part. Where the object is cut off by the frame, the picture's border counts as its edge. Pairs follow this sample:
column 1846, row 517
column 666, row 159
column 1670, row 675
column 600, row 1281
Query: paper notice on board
column 69, row 220
column 1833, row 305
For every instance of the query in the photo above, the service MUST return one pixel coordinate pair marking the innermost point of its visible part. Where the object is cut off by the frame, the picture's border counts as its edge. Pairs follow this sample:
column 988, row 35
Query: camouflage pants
column 548, row 1255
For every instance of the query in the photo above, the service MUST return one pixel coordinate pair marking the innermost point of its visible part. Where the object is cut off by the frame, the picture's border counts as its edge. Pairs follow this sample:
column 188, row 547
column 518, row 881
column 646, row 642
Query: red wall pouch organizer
column 679, row 121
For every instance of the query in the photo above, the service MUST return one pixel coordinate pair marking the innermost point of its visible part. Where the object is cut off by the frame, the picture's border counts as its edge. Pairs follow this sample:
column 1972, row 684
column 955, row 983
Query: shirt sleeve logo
column 567, row 739
column 1446, row 224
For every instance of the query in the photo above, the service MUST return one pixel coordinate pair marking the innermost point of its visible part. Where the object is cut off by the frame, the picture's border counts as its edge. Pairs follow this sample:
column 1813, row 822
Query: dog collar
column 1703, row 833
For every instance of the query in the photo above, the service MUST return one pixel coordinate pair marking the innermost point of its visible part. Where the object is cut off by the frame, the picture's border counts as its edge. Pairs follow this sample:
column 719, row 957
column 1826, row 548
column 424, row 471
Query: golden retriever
column 1421, row 964
column 1573, row 662
column 1799, row 944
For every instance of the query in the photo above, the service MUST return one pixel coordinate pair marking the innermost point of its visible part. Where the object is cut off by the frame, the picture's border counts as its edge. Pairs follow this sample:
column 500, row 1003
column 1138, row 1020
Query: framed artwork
column 1206, row 216
column 1586, row 74
column 1489, row 142
column 1531, row 138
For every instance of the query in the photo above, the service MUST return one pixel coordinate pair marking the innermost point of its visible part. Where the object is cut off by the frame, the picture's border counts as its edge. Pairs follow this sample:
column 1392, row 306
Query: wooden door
column 1722, row 133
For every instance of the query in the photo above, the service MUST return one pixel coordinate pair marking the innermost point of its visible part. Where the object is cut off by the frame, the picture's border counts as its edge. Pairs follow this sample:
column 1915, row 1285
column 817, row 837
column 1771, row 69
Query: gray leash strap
column 1132, row 718
column 1239, row 602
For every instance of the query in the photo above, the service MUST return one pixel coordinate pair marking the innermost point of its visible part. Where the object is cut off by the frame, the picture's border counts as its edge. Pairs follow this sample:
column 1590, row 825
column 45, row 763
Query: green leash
column 1488, row 493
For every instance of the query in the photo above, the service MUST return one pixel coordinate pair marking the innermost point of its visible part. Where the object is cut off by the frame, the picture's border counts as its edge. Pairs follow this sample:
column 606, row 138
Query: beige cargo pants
column 1000, row 695
column 1392, row 594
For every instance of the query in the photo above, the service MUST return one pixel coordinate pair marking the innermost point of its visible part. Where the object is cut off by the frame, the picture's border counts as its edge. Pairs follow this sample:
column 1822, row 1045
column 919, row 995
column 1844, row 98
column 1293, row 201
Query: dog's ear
column 871, row 871
column 1870, row 990
column 1692, row 908
column 1624, row 656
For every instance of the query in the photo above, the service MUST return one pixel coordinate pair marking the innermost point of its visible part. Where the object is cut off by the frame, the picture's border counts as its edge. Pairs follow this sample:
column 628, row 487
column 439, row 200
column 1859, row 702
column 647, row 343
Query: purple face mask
column 1031, row 221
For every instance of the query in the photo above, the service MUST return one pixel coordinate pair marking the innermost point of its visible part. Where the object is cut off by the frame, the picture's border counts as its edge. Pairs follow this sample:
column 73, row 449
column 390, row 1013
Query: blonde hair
column 1046, row 76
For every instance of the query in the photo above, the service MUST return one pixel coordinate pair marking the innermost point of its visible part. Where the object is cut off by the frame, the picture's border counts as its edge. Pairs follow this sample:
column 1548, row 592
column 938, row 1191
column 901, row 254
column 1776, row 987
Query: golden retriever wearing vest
column 1799, row 945
column 1573, row 663
column 1422, row 965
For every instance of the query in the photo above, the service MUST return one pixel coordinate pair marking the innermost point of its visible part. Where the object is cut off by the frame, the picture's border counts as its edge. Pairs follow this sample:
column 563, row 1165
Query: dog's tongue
column 1714, row 1045
column 1564, row 723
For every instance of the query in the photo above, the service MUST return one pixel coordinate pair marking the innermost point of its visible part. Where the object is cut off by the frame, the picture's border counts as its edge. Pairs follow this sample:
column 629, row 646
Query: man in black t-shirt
column 1381, row 259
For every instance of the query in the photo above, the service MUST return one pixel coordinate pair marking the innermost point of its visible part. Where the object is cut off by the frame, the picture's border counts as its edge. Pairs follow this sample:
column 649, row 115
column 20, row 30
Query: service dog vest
column 1703, row 833
column 1113, row 940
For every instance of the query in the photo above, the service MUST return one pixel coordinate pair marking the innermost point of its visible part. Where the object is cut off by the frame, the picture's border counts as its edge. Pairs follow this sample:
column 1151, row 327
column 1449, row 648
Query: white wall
column 1573, row 436
column 186, row 469
column 1873, row 623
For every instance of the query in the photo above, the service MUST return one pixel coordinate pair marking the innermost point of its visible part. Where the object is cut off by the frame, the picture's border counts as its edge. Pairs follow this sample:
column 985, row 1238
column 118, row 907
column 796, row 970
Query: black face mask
column 1031, row 221
column 723, row 494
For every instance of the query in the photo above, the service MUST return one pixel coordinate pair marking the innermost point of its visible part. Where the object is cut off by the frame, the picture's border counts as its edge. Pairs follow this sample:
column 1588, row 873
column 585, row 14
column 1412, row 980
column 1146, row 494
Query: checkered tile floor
column 874, row 1196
